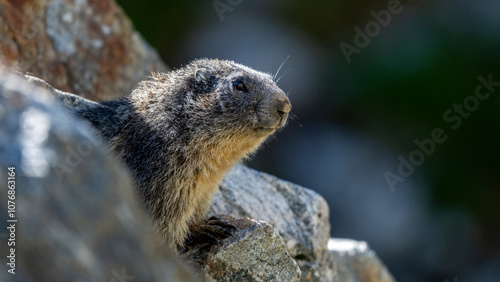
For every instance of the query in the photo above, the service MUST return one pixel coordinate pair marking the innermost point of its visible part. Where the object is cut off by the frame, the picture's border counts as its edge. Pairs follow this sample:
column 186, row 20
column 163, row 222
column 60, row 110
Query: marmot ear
column 200, row 76
column 204, row 81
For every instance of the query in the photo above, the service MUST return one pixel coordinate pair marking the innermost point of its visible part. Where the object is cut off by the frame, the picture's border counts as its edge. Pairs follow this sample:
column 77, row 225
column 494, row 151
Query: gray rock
column 355, row 261
column 256, row 252
column 300, row 215
column 78, row 217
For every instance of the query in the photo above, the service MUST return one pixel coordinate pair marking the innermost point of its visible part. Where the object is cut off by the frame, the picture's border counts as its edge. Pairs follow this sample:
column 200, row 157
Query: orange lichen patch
column 13, row 13
column 59, row 74
column 17, row 4
column 114, row 55
column 21, row 25
column 8, row 52
column 102, row 6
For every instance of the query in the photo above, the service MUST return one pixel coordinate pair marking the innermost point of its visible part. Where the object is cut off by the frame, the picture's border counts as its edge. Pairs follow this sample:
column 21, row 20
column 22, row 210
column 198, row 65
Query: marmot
column 180, row 132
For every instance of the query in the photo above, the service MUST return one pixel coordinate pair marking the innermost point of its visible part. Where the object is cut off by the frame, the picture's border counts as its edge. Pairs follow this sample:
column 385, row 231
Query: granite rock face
column 78, row 215
column 256, row 252
column 300, row 215
column 87, row 47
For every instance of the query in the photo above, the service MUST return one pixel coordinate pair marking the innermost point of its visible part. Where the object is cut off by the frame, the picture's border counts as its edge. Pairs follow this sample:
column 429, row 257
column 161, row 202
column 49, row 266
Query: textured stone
column 300, row 215
column 87, row 47
column 256, row 252
column 355, row 261
column 78, row 217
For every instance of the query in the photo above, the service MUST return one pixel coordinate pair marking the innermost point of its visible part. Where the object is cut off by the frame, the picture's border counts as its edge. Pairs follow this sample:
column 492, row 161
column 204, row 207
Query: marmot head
column 235, row 97
column 213, row 98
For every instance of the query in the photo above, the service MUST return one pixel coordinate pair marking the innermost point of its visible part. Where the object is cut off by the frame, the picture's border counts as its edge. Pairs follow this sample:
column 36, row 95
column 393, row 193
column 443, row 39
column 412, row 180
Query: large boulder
column 73, row 213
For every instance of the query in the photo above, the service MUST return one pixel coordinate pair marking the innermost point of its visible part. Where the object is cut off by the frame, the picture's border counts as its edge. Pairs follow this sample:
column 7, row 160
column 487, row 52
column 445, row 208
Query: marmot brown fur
column 180, row 132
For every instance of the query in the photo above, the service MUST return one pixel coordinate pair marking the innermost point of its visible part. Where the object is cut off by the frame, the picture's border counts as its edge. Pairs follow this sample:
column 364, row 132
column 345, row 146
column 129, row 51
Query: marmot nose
column 281, row 102
column 283, row 107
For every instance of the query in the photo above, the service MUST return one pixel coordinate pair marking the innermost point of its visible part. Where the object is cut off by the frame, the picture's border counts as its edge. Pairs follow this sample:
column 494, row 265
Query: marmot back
column 180, row 132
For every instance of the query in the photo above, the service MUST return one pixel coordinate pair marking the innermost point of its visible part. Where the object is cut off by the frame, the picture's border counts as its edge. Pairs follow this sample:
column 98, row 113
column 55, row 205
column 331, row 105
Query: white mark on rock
column 105, row 29
column 63, row 35
column 96, row 43
column 35, row 126
column 67, row 17
column 347, row 245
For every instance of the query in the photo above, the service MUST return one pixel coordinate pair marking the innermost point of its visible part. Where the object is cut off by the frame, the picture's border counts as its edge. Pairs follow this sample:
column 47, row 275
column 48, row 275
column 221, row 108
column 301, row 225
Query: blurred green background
column 353, row 119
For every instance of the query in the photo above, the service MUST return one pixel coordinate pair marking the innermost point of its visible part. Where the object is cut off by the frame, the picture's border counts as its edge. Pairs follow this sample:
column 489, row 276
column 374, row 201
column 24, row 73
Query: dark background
column 352, row 120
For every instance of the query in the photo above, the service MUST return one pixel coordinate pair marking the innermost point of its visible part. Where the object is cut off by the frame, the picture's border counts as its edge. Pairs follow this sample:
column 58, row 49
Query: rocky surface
column 301, row 218
column 86, row 47
column 355, row 261
column 300, row 215
column 78, row 217
column 256, row 252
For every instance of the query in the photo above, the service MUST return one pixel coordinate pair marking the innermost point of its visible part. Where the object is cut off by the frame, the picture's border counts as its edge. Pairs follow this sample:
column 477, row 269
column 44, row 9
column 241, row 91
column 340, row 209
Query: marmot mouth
column 281, row 123
column 265, row 129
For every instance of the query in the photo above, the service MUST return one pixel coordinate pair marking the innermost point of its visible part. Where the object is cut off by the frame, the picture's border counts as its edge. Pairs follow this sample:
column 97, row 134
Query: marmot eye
column 238, row 85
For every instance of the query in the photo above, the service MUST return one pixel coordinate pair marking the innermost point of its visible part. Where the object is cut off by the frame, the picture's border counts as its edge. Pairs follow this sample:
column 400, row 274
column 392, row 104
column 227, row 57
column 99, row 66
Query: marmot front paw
column 208, row 232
